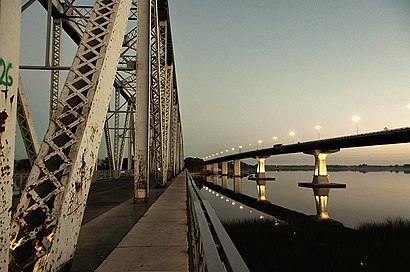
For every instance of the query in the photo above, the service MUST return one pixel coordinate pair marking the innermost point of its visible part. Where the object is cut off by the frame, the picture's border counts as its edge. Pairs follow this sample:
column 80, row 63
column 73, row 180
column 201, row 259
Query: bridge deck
column 158, row 242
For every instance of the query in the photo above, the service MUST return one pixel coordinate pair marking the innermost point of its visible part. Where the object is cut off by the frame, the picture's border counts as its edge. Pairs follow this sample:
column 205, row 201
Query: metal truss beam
column 26, row 125
column 108, row 146
column 156, row 101
column 48, row 218
column 55, row 62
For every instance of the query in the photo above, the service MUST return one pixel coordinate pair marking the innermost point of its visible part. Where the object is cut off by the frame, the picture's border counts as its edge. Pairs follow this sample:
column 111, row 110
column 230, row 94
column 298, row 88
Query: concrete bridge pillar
column 208, row 168
column 237, row 185
column 208, row 179
column 225, row 182
column 261, row 166
column 224, row 168
column 215, row 179
column 261, row 186
column 320, row 174
column 321, row 199
column 215, row 168
column 237, row 168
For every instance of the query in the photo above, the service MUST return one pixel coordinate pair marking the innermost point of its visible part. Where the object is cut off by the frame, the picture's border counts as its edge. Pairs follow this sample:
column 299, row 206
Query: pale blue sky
column 250, row 70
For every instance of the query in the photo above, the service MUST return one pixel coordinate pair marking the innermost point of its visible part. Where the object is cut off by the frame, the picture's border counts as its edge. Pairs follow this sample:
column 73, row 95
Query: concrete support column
column 261, row 166
column 215, row 168
column 320, row 174
column 237, row 185
column 225, row 182
column 10, row 12
column 237, row 168
column 215, row 179
column 225, row 168
column 261, row 186
column 321, row 200
column 208, row 168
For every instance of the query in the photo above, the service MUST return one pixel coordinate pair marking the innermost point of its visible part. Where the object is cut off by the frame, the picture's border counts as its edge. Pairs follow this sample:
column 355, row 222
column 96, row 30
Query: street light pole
column 292, row 134
column 356, row 119
column 318, row 127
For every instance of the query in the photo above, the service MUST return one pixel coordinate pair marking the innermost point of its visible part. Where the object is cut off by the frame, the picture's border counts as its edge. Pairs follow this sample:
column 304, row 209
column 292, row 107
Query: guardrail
column 211, row 249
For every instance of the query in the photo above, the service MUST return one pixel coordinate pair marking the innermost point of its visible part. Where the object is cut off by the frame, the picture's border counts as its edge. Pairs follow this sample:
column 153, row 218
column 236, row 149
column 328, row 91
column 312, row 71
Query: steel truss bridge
column 124, row 50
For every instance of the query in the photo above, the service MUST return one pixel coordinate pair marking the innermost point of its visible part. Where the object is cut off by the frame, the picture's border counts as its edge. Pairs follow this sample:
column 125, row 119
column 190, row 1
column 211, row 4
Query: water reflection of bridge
column 261, row 203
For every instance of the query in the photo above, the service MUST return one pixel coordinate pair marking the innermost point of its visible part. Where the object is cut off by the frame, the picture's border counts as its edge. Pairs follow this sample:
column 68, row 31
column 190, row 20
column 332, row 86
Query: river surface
column 368, row 197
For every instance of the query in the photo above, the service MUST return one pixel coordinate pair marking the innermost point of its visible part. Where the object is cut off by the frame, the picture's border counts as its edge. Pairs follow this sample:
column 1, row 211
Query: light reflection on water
column 372, row 196
column 228, row 209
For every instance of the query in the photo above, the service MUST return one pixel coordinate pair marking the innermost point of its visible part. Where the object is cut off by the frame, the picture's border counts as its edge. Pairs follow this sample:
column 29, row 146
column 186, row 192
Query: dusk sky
column 251, row 70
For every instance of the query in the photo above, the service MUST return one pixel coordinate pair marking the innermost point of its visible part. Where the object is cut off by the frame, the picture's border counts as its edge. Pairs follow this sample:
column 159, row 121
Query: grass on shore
column 267, row 245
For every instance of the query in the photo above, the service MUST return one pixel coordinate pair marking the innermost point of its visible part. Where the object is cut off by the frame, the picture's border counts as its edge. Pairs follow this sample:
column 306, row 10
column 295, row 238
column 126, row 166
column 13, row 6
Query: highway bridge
column 122, row 91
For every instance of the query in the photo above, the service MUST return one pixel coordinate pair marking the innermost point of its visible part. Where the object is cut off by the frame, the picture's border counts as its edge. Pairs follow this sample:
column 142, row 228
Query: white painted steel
column 142, row 120
column 48, row 218
column 10, row 12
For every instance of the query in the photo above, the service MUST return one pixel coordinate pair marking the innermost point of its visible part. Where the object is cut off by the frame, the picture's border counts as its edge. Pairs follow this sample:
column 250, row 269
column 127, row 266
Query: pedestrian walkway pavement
column 158, row 241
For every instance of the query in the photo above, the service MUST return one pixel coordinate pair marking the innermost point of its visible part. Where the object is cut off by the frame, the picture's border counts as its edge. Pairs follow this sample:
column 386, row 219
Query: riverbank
column 270, row 246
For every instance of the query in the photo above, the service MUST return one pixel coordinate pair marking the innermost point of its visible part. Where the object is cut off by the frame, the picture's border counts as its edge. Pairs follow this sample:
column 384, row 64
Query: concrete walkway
column 158, row 242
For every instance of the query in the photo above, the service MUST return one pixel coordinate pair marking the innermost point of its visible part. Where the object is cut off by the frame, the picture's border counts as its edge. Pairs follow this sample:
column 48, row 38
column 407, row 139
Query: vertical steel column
column 116, row 128
column 142, row 122
column 110, row 155
column 123, row 137
column 130, row 141
column 165, row 94
column 47, row 222
column 26, row 125
column 173, row 130
column 156, row 100
column 9, row 65
column 55, row 60
column 168, row 127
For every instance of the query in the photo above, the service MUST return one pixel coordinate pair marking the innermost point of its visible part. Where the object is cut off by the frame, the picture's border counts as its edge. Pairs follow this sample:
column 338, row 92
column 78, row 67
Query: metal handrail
column 211, row 248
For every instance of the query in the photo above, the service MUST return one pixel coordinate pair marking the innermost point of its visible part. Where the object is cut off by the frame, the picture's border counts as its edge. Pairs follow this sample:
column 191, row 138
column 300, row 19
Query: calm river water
column 369, row 197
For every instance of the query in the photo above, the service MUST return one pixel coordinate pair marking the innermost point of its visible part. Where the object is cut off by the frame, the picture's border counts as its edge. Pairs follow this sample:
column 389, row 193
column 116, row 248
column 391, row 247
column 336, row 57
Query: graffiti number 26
column 5, row 78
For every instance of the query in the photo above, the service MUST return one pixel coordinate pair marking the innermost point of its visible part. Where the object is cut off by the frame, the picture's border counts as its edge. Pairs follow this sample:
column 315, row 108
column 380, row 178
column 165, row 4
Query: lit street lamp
column 240, row 149
column 260, row 143
column 318, row 130
column 274, row 138
column 292, row 134
column 356, row 119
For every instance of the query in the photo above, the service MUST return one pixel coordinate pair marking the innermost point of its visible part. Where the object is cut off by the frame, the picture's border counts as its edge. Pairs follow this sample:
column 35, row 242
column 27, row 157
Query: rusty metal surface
column 48, row 218
column 9, row 75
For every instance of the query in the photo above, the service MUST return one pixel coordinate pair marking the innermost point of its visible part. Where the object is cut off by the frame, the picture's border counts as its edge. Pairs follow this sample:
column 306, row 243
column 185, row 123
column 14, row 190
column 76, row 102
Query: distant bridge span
column 394, row 136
